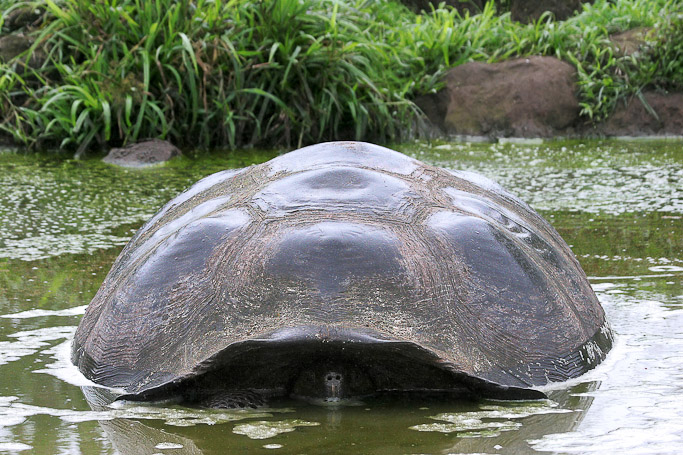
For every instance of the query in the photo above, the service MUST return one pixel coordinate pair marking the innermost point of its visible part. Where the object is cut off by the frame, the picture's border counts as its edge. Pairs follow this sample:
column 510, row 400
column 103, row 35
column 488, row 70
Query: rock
column 472, row 6
column 629, row 42
column 634, row 119
column 6, row 140
column 527, row 97
column 526, row 11
column 23, row 18
column 142, row 154
column 13, row 45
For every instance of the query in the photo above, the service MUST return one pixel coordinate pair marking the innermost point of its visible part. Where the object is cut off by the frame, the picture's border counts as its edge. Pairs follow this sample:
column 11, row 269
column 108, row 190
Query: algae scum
column 618, row 204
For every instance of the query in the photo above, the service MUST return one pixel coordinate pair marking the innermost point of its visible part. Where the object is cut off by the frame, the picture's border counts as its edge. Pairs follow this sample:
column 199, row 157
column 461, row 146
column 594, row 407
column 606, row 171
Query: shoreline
column 236, row 75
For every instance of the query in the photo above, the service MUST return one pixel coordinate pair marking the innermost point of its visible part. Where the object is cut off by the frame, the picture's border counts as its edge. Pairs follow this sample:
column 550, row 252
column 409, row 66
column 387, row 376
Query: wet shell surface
column 344, row 257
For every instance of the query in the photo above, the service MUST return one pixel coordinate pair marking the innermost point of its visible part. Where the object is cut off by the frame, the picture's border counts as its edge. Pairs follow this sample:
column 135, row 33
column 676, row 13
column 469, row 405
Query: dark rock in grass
column 142, row 154
column 663, row 115
column 472, row 6
column 527, row 97
column 23, row 18
column 6, row 140
column 13, row 45
column 526, row 11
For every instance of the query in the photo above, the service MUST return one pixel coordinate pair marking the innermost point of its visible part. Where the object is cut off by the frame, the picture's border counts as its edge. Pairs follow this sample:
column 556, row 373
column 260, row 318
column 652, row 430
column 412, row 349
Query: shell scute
column 328, row 256
column 336, row 189
column 332, row 154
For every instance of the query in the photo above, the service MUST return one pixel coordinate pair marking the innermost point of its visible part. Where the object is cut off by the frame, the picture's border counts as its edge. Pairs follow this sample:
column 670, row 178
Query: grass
column 291, row 72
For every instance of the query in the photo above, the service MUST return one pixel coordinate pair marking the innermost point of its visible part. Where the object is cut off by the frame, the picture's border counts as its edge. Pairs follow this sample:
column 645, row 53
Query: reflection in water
column 619, row 205
column 131, row 437
column 380, row 426
column 639, row 406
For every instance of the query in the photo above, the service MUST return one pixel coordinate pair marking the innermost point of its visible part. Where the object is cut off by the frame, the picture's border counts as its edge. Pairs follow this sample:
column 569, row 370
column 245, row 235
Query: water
column 619, row 204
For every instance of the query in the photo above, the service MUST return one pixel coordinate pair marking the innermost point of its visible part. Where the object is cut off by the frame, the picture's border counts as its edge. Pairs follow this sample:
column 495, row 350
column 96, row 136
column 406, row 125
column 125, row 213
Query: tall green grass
column 289, row 72
column 211, row 72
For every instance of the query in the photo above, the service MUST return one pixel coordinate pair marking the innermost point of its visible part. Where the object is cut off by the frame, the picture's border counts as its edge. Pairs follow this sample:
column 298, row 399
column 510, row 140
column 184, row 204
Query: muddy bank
column 537, row 97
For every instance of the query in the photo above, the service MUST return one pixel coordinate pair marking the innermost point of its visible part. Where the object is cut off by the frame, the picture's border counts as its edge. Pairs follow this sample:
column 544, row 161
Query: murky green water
column 619, row 204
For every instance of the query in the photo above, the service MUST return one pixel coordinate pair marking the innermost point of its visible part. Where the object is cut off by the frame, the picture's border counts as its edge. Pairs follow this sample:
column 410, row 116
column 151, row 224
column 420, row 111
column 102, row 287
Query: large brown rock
column 142, row 154
column 527, row 97
column 664, row 116
column 530, row 10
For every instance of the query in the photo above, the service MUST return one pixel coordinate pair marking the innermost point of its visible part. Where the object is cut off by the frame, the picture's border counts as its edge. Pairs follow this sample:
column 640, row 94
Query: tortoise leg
column 233, row 399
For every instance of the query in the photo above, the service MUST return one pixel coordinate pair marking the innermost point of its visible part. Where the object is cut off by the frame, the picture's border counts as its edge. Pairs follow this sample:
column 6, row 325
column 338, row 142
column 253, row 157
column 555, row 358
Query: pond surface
column 618, row 204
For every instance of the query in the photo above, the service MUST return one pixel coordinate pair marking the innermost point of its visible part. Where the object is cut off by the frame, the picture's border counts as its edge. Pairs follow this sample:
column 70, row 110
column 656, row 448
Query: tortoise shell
column 406, row 275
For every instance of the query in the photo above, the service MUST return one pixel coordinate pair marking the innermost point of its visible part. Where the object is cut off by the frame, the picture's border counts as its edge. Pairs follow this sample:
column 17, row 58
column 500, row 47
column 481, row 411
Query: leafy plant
column 291, row 72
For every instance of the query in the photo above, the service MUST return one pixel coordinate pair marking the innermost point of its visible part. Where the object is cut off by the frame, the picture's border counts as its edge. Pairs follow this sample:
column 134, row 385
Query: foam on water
column 667, row 268
column 14, row 447
column 490, row 420
column 62, row 368
column 168, row 445
column 13, row 412
column 31, row 341
column 265, row 429
column 639, row 406
column 75, row 311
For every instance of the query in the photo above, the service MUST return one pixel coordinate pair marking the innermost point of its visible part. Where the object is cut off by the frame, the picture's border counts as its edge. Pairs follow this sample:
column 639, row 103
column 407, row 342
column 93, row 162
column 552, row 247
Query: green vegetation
column 663, row 63
column 289, row 72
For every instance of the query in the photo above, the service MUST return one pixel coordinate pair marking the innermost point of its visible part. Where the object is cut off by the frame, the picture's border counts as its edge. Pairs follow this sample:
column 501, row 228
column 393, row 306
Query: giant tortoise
column 339, row 270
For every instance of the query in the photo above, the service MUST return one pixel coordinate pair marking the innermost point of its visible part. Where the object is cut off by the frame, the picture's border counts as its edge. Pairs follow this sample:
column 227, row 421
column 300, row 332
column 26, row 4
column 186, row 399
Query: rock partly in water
column 526, row 11
column 142, row 154
column 527, row 97
column 661, row 114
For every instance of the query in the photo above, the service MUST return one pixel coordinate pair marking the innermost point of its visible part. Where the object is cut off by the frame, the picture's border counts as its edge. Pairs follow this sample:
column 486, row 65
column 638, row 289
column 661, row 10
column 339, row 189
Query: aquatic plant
column 287, row 72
